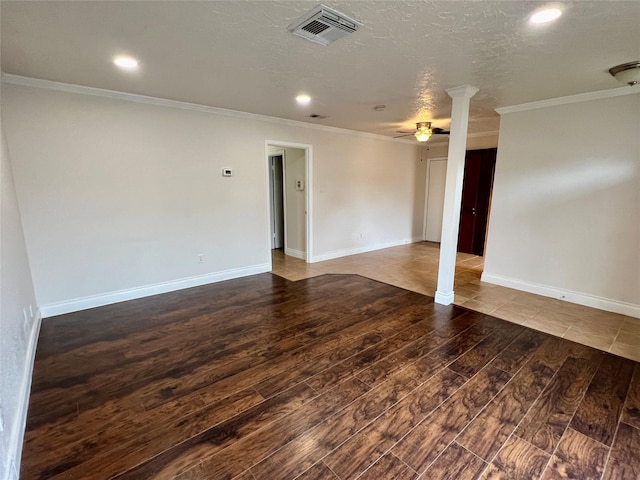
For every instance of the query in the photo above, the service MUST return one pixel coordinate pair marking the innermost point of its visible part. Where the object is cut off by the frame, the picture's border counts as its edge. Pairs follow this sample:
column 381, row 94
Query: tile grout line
column 381, row 414
column 513, row 432
column 636, row 371
column 444, row 366
column 567, row 426
column 489, row 462
column 431, row 413
column 410, row 430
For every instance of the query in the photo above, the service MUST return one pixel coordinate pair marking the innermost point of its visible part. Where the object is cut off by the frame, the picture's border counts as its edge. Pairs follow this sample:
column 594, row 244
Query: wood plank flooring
column 335, row 377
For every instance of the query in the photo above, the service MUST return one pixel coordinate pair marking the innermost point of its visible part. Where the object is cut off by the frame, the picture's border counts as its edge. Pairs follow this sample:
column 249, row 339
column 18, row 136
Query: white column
column 453, row 191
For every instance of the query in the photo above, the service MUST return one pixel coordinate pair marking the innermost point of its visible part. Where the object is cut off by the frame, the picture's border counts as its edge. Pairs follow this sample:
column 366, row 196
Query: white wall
column 475, row 141
column 118, row 197
column 565, row 218
column 17, row 336
column 366, row 195
column 294, row 159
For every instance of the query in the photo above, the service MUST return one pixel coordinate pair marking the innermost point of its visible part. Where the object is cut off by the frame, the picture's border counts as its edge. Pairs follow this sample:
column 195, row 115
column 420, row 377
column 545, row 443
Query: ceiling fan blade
column 440, row 131
column 405, row 131
column 405, row 135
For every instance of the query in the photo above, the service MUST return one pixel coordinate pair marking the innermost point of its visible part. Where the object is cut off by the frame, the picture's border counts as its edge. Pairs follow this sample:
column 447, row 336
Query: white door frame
column 308, row 167
column 283, row 181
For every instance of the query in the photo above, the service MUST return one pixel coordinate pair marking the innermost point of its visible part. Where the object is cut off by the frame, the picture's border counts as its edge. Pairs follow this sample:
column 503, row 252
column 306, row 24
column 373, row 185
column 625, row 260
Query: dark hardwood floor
column 334, row 377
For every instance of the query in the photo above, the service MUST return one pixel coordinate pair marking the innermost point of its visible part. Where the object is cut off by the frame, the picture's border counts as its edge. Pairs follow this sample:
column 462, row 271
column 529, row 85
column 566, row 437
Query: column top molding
column 467, row 91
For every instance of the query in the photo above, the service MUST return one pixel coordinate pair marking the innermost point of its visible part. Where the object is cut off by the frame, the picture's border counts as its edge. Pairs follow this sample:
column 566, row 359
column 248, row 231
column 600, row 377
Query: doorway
column 476, row 200
column 477, row 185
column 276, row 188
column 289, row 176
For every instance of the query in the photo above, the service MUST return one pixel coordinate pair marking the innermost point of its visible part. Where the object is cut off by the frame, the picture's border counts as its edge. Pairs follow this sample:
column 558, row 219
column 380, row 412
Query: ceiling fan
column 423, row 132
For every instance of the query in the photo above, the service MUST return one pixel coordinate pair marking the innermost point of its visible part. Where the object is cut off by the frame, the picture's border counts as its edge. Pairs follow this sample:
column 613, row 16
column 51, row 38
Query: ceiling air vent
column 324, row 25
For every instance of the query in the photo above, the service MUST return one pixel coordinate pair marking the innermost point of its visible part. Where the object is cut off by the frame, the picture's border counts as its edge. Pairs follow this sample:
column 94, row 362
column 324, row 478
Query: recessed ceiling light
column 128, row 63
column 303, row 99
column 545, row 15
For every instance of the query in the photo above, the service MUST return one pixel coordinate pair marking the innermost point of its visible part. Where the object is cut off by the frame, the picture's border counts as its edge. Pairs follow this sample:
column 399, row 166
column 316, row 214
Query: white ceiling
column 239, row 55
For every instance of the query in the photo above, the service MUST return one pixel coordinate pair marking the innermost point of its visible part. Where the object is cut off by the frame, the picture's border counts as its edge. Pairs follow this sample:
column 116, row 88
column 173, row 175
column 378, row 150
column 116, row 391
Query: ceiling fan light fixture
column 423, row 131
column 628, row 73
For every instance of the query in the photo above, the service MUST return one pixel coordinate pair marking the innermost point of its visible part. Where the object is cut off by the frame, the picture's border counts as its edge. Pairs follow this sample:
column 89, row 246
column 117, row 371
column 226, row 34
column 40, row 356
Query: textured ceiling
column 239, row 54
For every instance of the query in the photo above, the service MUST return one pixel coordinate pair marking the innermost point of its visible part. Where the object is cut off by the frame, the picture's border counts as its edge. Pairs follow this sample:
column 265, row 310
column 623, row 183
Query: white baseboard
column 295, row 253
column 570, row 296
column 84, row 303
column 15, row 443
column 369, row 248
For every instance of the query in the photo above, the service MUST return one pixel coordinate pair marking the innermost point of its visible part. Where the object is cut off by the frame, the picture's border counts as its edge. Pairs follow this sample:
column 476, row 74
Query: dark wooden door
column 476, row 197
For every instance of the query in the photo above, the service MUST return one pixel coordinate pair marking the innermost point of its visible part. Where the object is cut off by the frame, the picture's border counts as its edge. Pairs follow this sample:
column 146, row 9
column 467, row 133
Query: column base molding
column 444, row 298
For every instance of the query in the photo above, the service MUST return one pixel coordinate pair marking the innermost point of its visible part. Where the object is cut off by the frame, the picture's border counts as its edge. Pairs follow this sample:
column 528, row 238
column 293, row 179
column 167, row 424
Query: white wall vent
column 324, row 25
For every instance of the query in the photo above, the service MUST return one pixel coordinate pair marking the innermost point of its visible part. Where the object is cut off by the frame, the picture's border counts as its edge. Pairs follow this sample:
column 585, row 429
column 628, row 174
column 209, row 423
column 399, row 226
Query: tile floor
column 415, row 267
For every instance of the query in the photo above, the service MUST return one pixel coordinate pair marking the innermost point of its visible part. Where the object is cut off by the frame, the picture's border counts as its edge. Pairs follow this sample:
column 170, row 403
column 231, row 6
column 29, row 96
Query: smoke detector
column 324, row 25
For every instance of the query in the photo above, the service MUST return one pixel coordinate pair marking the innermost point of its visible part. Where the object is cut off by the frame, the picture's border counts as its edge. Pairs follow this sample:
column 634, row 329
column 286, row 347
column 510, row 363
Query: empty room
column 272, row 240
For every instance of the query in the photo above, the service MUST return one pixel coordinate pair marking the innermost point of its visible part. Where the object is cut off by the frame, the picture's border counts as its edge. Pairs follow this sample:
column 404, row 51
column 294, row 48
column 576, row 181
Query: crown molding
column 484, row 134
column 445, row 140
column 580, row 97
column 134, row 97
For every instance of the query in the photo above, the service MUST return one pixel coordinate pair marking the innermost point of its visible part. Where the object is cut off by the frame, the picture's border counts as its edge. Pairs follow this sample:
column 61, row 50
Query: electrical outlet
column 200, row 258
